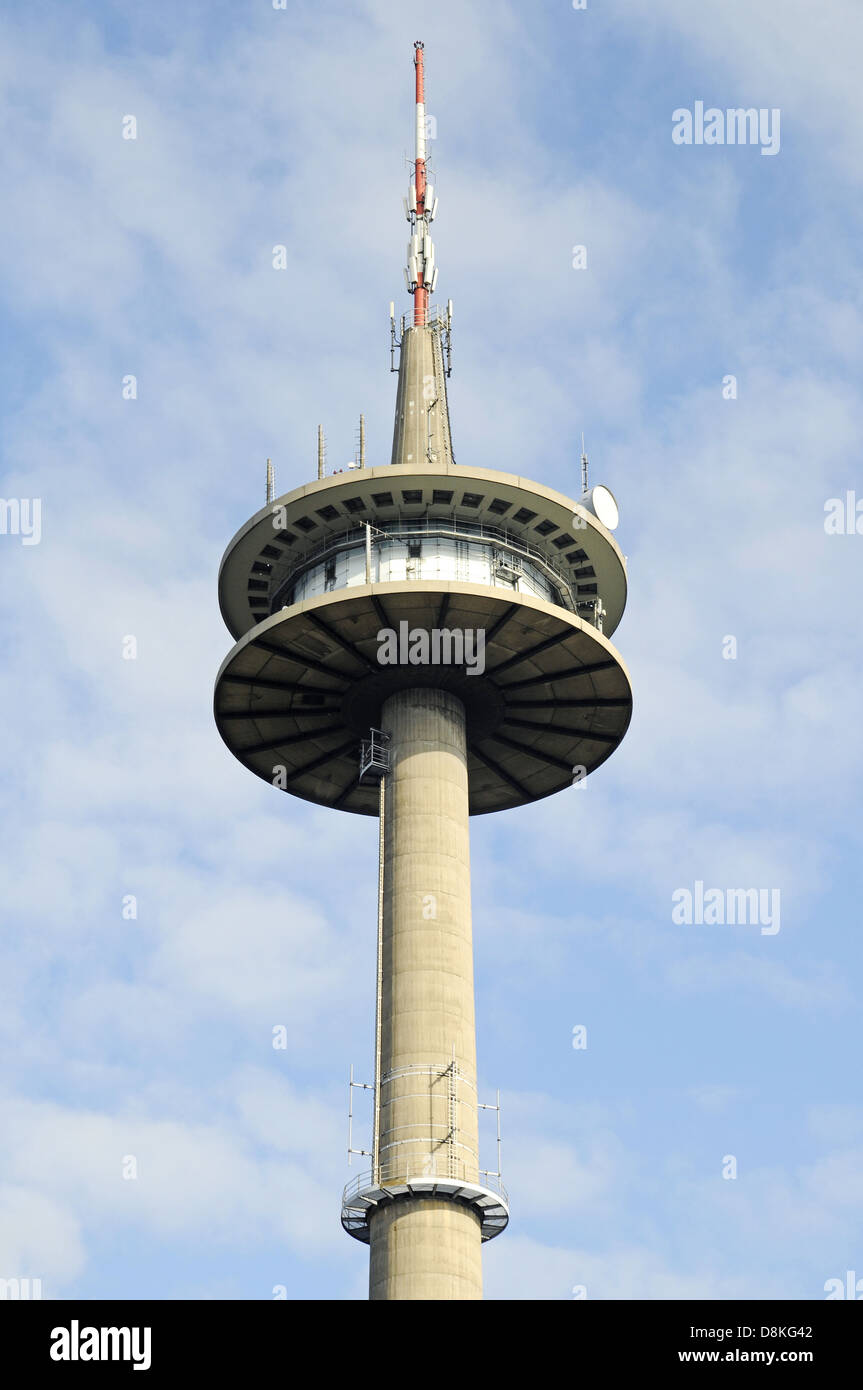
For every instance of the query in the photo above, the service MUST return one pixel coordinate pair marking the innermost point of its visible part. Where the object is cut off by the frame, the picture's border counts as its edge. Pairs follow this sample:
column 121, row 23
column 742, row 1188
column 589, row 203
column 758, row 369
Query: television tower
column 422, row 642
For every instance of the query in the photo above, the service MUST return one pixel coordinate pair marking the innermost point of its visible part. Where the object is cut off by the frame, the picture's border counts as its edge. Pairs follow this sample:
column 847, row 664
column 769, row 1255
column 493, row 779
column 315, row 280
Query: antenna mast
column 420, row 208
column 583, row 467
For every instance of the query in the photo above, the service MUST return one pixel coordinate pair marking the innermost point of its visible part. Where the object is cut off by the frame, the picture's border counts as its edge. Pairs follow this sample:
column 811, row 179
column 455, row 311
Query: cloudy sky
column 151, row 1039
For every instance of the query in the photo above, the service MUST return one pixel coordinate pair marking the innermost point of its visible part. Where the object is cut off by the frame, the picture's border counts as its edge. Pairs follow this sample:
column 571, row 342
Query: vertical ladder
column 376, row 1131
column 453, row 1116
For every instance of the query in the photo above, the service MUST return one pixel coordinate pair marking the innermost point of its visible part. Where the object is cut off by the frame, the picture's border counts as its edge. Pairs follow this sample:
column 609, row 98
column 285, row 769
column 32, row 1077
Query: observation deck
column 539, row 577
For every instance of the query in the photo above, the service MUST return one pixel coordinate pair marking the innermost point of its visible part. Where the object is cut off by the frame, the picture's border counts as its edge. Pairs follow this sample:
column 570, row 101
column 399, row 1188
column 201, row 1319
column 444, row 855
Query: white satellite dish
column 600, row 501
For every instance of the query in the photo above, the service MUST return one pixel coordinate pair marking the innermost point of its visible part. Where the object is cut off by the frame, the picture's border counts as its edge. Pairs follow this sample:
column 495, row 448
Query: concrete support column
column 421, row 434
column 427, row 1248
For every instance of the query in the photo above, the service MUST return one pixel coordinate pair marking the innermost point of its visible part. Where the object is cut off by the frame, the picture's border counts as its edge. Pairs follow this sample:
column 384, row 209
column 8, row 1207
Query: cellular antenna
column 420, row 208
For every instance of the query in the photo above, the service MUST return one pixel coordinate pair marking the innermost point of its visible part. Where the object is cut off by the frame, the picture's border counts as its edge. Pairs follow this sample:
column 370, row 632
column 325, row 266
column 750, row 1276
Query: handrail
column 436, row 317
column 399, row 1172
column 442, row 526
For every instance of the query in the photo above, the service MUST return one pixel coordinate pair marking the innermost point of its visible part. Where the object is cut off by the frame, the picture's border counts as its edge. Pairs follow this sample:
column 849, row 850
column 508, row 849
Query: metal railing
column 436, row 317
column 375, row 754
column 447, row 526
column 398, row 1173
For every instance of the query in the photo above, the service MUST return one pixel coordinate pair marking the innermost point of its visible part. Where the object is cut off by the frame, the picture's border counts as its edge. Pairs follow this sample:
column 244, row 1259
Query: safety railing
column 407, row 1170
column 403, row 528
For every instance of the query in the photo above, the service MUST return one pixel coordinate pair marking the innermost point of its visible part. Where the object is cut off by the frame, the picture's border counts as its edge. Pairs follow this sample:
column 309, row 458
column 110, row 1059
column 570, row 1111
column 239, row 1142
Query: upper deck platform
column 283, row 539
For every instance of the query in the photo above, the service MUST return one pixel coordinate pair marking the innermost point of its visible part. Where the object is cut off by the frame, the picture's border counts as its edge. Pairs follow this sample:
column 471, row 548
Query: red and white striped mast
column 420, row 208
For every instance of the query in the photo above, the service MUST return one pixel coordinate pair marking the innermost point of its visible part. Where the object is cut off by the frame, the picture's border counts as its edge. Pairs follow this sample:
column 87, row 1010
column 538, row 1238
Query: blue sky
column 152, row 1037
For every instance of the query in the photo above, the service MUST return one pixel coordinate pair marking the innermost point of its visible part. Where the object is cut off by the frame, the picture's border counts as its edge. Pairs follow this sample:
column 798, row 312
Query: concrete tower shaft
column 422, row 432
column 430, row 1248
column 426, row 1248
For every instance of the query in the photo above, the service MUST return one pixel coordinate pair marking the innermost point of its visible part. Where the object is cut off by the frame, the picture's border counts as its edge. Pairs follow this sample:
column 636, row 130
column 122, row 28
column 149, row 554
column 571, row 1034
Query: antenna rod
column 421, row 293
column 362, row 441
column 421, row 272
column 321, row 451
column 583, row 466
column 271, row 481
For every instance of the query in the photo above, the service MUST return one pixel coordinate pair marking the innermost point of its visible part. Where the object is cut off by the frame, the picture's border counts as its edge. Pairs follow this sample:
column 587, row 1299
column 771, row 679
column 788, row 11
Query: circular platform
column 302, row 688
column 278, row 540
column 362, row 1197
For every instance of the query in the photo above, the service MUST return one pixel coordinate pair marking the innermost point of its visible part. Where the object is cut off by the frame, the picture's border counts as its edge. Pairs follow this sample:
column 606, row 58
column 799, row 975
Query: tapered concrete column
column 427, row 1248
column 422, row 433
